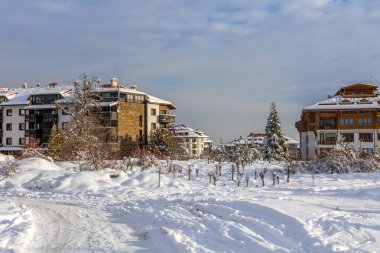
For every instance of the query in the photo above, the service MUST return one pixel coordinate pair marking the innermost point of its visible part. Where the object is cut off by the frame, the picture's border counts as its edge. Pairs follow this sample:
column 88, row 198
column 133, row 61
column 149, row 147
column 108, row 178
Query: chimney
column 24, row 86
column 134, row 87
column 53, row 84
column 99, row 82
column 114, row 82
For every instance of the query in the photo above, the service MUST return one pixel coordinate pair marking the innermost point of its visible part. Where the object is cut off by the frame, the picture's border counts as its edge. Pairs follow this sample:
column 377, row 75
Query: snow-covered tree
column 275, row 147
column 82, row 138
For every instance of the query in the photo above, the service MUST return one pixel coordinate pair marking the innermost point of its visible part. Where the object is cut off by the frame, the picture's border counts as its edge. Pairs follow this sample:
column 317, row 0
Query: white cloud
column 217, row 61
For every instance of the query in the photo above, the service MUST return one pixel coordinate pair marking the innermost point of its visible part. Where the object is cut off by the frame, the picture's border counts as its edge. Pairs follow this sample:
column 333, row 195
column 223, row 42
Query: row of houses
column 351, row 115
column 257, row 140
column 28, row 114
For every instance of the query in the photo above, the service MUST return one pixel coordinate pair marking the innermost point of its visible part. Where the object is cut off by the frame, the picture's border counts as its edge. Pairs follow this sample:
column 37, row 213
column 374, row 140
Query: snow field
column 15, row 226
column 115, row 211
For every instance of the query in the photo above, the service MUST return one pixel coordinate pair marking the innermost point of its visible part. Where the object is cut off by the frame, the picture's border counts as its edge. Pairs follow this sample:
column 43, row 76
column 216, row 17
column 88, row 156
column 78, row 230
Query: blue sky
column 221, row 62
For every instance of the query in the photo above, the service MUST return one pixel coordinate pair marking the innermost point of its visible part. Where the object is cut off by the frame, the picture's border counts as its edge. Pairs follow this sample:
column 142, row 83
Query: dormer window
column 364, row 101
column 346, row 101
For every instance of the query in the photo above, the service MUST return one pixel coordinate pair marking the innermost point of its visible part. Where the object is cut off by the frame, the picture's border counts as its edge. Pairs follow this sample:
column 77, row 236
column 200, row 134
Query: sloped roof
column 339, row 102
column 155, row 100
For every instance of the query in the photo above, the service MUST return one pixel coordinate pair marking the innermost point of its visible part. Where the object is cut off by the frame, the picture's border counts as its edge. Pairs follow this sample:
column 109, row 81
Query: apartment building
column 352, row 114
column 195, row 141
column 28, row 114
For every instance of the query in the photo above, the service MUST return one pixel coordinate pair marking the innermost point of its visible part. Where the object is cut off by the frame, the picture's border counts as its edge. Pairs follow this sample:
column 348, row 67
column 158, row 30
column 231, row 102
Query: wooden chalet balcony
column 327, row 142
column 327, row 127
column 166, row 118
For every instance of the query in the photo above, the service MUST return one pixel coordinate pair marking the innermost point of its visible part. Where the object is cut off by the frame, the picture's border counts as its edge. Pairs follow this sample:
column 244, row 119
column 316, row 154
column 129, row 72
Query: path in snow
column 71, row 227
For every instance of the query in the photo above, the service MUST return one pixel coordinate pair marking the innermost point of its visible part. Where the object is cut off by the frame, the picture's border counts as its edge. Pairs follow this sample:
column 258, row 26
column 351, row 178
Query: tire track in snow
column 69, row 227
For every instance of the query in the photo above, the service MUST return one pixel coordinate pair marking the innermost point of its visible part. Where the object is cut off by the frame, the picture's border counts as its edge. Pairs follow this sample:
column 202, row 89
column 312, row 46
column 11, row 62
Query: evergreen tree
column 275, row 147
column 55, row 144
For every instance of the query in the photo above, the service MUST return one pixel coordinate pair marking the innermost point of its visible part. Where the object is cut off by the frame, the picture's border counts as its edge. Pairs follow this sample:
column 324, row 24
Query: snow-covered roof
column 63, row 90
column 155, row 100
column 340, row 102
column 121, row 89
column 43, row 106
column 256, row 140
column 106, row 104
column 8, row 148
column 126, row 90
column 187, row 132
column 21, row 96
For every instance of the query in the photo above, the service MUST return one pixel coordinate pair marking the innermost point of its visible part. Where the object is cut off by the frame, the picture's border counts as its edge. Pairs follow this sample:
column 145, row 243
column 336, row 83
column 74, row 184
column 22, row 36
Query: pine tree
column 55, row 144
column 275, row 147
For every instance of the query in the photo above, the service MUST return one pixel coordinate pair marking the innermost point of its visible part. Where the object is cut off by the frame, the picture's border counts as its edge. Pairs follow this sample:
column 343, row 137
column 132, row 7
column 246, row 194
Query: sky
column 222, row 63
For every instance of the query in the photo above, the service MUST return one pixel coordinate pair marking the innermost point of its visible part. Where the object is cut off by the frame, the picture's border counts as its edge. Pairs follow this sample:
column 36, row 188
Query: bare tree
column 262, row 175
column 274, row 176
column 82, row 138
column 189, row 170
column 9, row 166
column 247, row 179
column 233, row 169
column 160, row 170
column 289, row 169
column 239, row 176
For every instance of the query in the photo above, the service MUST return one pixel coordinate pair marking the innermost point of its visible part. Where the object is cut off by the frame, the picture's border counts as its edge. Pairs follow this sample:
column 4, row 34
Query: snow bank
column 15, row 226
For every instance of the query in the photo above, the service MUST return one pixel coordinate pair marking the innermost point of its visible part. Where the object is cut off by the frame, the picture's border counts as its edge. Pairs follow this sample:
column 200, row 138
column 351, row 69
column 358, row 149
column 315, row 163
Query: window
column 140, row 120
column 327, row 139
column 154, row 126
column 129, row 98
column 9, row 112
column 8, row 141
column 44, row 99
column 141, row 135
column 366, row 137
column 9, row 126
column 153, row 112
column 163, row 112
column 22, row 112
column 21, row 141
column 139, row 99
column 347, row 137
column 367, row 151
column 327, row 123
column 365, row 121
column 21, row 126
column 64, row 125
column 346, row 121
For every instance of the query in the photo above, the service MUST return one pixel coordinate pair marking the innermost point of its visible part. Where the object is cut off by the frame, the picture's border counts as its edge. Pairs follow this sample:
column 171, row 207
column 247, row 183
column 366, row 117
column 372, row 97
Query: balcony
column 166, row 119
column 49, row 117
column 327, row 142
column 31, row 132
column 327, row 127
column 113, row 115
column 31, row 117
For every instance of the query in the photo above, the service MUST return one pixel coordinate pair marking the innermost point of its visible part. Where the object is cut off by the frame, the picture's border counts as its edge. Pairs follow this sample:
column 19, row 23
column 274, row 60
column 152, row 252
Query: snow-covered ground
column 51, row 208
